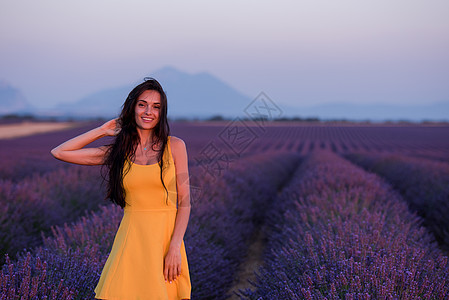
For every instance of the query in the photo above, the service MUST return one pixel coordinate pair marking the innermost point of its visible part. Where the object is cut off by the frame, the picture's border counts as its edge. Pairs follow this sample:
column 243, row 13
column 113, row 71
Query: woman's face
column 147, row 109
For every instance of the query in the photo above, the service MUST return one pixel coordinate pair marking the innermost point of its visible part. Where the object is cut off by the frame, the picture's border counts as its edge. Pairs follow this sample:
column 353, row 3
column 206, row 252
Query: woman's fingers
column 117, row 127
column 172, row 268
column 170, row 273
column 168, row 269
column 111, row 127
column 166, row 272
column 176, row 271
column 173, row 273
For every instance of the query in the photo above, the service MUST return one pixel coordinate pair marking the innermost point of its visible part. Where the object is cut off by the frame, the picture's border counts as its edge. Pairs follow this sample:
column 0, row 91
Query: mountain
column 189, row 95
column 203, row 95
column 105, row 103
column 12, row 101
column 200, row 95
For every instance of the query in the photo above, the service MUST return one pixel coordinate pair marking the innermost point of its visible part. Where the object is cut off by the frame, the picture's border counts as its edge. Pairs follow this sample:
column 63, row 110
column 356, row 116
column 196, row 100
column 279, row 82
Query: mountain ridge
column 202, row 95
column 12, row 100
column 189, row 95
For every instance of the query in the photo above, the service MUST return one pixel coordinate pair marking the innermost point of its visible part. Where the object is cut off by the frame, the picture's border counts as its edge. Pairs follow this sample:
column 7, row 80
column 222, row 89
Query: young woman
column 149, row 178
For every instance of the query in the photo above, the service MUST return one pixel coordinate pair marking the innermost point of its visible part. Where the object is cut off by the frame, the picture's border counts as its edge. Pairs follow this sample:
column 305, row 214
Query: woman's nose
column 148, row 110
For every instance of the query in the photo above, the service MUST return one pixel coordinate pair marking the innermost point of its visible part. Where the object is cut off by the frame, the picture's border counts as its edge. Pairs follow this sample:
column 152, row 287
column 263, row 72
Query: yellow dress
column 134, row 268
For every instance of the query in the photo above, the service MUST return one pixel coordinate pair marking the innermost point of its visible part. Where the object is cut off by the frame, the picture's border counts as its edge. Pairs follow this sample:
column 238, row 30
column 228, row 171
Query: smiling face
column 147, row 109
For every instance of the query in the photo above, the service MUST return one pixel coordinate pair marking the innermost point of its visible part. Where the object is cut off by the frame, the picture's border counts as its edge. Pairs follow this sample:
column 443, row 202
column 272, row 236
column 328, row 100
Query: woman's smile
column 146, row 119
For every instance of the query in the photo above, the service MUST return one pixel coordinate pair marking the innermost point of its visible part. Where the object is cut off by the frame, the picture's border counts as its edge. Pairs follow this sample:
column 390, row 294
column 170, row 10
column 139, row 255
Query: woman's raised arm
column 72, row 151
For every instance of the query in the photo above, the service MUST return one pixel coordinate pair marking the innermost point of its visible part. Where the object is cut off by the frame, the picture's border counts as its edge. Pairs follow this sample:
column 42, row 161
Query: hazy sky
column 305, row 52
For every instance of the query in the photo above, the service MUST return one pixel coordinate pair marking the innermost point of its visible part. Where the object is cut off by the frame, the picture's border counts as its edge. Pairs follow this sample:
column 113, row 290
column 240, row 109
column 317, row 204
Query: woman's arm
column 172, row 267
column 72, row 151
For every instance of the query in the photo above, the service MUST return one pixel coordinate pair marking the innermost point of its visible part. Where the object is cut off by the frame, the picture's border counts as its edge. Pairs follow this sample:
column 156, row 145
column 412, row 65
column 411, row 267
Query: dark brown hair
column 125, row 143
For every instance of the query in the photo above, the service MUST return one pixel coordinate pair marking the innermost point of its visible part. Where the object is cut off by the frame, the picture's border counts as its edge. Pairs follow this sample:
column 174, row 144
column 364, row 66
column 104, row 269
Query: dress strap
column 170, row 156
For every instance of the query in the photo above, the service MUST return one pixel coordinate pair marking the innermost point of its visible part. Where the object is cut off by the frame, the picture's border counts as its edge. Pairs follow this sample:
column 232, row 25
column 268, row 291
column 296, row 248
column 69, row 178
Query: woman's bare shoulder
column 178, row 147
column 176, row 141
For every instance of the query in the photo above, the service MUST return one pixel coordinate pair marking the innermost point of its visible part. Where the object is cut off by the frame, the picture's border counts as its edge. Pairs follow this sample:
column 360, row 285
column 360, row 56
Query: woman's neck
column 145, row 136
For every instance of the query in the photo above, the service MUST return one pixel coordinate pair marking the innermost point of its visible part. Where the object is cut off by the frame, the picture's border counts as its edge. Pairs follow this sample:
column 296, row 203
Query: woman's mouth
column 147, row 119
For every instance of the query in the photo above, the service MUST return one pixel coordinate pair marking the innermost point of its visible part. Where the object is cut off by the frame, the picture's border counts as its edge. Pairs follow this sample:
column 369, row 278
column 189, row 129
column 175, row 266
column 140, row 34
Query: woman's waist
column 149, row 204
column 129, row 208
column 140, row 201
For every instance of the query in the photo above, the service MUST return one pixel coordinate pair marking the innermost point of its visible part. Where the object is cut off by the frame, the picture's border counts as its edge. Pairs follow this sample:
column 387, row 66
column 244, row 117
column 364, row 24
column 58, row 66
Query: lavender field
column 279, row 211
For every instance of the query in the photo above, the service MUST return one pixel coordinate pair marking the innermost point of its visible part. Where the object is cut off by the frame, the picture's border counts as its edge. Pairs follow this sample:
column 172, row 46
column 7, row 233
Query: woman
column 148, row 177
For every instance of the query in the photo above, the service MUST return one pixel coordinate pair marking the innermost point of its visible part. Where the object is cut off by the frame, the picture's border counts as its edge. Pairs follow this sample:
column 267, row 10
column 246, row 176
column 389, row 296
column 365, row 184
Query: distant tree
column 216, row 118
column 312, row 119
column 16, row 118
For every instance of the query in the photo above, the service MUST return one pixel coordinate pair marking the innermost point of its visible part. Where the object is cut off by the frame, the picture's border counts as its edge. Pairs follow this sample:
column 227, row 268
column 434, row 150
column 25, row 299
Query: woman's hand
column 172, row 264
column 111, row 127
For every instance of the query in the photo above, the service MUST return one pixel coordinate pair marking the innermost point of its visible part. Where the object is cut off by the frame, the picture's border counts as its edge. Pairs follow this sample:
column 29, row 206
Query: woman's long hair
column 125, row 144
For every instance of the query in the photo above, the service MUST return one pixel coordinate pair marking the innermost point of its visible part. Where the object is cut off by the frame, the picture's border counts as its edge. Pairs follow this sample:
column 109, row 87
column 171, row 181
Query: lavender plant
column 226, row 223
column 343, row 233
column 26, row 156
column 72, row 257
column 221, row 222
column 28, row 280
column 34, row 204
column 423, row 183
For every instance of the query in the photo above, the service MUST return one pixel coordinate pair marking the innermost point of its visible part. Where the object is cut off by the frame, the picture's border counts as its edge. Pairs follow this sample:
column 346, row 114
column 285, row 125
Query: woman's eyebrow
column 147, row 102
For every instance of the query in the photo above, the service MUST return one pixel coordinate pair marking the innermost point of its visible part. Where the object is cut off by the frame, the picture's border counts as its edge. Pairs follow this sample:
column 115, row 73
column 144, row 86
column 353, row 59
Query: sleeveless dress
column 135, row 266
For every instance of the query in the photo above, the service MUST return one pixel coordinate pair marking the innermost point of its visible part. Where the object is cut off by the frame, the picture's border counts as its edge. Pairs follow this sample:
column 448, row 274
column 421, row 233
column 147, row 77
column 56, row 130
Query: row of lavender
column 218, row 237
column 38, row 191
column 23, row 156
column 342, row 233
column 224, row 213
column 34, row 204
column 30, row 155
column 423, row 183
